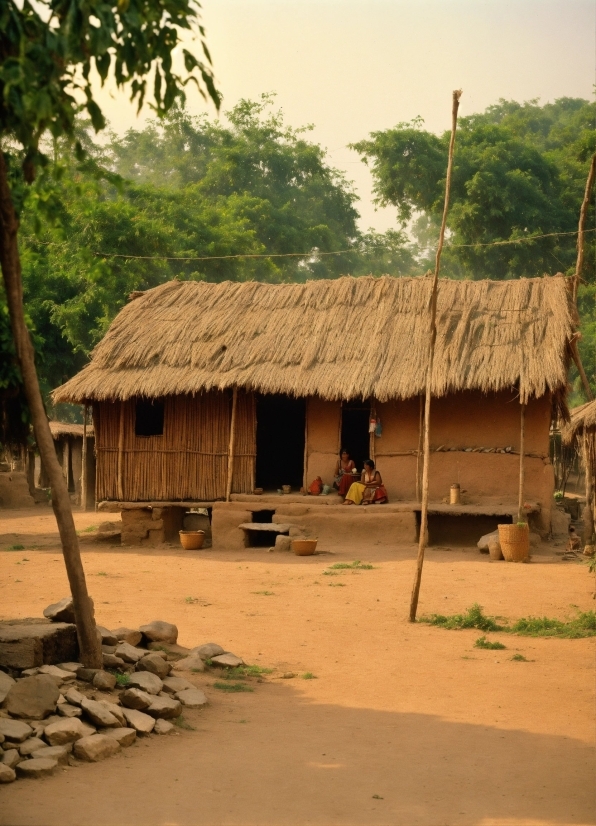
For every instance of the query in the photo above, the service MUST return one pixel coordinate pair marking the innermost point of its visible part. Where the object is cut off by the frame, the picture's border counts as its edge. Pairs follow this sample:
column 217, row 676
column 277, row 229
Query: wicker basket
column 304, row 547
column 515, row 542
column 192, row 540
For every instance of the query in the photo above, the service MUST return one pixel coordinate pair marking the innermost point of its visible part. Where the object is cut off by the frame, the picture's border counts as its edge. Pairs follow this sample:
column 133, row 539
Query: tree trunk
column 89, row 644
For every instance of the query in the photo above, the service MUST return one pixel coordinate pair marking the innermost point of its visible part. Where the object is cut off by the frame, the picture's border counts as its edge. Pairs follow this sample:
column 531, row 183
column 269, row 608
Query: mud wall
column 322, row 439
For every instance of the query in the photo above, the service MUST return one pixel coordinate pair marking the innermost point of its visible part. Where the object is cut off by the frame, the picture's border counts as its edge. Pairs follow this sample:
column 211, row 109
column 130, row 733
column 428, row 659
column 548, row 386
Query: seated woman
column 343, row 473
column 370, row 490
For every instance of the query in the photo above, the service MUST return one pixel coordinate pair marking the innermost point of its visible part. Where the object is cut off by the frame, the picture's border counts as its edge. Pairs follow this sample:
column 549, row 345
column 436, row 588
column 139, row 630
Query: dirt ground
column 403, row 724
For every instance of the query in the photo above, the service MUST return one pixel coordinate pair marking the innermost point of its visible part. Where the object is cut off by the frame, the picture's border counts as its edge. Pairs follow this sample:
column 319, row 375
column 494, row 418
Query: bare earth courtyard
column 404, row 724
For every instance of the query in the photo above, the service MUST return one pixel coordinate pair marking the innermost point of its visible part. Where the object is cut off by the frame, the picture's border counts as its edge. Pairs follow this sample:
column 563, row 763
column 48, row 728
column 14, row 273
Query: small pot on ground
column 515, row 541
column 192, row 540
column 304, row 547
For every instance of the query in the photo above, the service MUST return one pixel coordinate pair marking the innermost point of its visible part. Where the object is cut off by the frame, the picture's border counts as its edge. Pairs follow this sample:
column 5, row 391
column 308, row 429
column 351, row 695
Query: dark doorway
column 355, row 417
column 280, row 441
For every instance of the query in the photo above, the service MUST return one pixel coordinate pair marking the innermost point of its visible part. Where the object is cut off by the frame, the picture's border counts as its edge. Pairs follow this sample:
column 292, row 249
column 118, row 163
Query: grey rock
column 62, row 611
column 88, row 729
column 208, row 650
column 58, row 753
column 33, row 697
column 135, row 698
column 31, row 643
column 109, row 649
column 58, row 674
column 37, row 767
column 171, row 685
column 29, row 672
column 125, row 736
column 112, row 661
column 14, row 731
column 96, row 747
column 194, row 663
column 165, row 707
column 146, row 681
column 6, row 682
column 74, row 697
column 66, row 710
column 1, row 739
column 159, row 631
column 64, row 731
column 171, row 651
column 98, row 714
column 115, row 710
column 61, row 699
column 29, row 746
column 191, row 698
column 155, row 664
column 74, row 667
column 87, row 674
column 227, row 660
column 129, row 635
column 7, row 775
column 104, row 681
column 11, row 758
column 107, row 637
column 53, row 718
column 163, row 727
column 141, row 722
column 129, row 653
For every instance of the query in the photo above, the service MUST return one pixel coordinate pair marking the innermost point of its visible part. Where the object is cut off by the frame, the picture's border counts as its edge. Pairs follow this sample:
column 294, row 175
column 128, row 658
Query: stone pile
column 59, row 714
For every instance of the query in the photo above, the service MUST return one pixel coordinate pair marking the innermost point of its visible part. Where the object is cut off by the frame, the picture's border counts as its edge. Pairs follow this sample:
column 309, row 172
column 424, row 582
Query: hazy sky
column 354, row 66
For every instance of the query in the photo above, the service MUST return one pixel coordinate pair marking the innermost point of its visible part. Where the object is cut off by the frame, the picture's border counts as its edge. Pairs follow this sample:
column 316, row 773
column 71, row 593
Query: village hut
column 580, row 432
column 204, row 392
column 70, row 450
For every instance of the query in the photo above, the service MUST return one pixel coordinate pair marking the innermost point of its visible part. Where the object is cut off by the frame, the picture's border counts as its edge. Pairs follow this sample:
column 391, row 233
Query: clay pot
column 192, row 540
column 515, row 542
column 304, row 547
column 258, row 491
column 286, row 488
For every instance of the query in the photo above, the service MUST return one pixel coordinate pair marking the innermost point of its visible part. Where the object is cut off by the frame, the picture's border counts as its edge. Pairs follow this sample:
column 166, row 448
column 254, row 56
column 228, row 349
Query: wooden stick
column 232, row 442
column 588, row 509
column 582, row 222
column 580, row 368
column 522, row 434
column 84, row 461
column 120, row 460
column 429, row 370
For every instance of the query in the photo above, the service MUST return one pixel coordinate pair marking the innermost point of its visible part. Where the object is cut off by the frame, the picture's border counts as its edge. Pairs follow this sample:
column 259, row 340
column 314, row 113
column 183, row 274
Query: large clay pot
column 192, row 540
column 515, row 542
column 304, row 547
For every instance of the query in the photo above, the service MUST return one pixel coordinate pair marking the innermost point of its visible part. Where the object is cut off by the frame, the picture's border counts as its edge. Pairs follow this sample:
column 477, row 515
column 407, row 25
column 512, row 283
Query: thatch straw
column 582, row 418
column 58, row 429
column 340, row 339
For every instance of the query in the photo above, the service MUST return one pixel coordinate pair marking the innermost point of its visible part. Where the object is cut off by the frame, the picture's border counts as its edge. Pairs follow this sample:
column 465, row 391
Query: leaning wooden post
column 588, row 509
column 522, row 465
column 581, row 227
column 84, row 461
column 429, row 370
column 232, row 443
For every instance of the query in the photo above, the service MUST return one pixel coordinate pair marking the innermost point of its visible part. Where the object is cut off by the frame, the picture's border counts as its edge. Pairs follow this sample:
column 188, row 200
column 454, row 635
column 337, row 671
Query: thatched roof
column 582, row 418
column 58, row 429
column 338, row 339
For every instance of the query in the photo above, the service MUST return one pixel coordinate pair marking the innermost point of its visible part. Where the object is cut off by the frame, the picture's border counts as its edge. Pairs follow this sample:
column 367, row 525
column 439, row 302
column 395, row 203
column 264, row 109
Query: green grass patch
column 121, row 679
column 264, row 593
column 182, row 723
column 191, row 600
column 482, row 642
column 582, row 625
column 519, row 658
column 336, row 584
column 232, row 688
column 90, row 529
column 241, row 672
column 16, row 548
column 102, row 573
column 356, row 565
column 308, row 676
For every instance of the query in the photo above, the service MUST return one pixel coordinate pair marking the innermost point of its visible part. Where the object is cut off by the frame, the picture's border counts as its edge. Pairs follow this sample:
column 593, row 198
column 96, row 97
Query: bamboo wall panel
column 189, row 461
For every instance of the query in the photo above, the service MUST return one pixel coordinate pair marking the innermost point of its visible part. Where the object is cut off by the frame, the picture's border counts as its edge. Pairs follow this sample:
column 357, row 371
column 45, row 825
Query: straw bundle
column 341, row 339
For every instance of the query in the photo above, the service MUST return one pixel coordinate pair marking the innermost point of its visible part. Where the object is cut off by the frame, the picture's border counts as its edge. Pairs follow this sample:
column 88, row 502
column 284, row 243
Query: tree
column 47, row 54
column 520, row 171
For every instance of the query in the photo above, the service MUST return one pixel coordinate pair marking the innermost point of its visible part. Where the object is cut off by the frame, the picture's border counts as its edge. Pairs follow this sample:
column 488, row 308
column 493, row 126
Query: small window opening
column 263, row 516
column 149, row 418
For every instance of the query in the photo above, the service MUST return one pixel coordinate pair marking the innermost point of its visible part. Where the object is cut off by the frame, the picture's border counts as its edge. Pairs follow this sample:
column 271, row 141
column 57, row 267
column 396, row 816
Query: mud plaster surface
column 444, row 733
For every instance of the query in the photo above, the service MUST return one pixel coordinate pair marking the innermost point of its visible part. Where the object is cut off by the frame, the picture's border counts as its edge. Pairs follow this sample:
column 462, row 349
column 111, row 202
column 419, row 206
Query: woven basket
column 515, row 542
column 192, row 540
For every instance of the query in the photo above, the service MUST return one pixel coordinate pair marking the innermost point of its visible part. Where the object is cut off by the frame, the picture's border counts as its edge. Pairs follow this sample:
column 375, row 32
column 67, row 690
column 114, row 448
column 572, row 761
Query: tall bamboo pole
column 589, row 506
column 522, row 465
column 84, row 461
column 232, row 443
column 429, row 370
column 581, row 226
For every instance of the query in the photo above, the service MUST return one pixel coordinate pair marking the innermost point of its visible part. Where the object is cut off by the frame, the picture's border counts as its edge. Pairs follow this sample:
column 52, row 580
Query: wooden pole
column 588, row 509
column 120, row 460
column 580, row 367
column 232, row 443
column 84, row 461
column 89, row 644
column 522, row 466
column 419, row 457
column 429, row 370
column 581, row 227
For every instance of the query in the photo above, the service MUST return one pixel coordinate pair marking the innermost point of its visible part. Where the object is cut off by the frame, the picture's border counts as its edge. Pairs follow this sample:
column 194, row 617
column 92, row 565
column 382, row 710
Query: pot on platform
column 192, row 540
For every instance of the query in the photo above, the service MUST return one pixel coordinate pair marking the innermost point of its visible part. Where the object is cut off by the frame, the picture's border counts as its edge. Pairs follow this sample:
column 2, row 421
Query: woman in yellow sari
column 370, row 490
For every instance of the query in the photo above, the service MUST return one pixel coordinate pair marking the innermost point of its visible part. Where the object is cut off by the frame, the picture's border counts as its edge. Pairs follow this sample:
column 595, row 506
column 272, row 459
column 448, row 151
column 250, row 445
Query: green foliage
column 582, row 625
column 122, row 680
column 241, row 672
column 519, row 658
column 482, row 642
column 232, row 688
column 473, row 618
column 308, row 675
column 356, row 565
column 182, row 723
